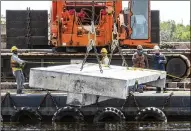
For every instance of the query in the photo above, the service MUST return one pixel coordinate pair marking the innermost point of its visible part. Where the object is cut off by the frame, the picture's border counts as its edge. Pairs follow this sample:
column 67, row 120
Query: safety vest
column 105, row 61
column 140, row 62
column 14, row 65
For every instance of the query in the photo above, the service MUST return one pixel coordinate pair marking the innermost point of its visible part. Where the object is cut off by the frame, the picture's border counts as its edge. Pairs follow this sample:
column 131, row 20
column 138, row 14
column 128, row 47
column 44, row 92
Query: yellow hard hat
column 103, row 50
column 13, row 48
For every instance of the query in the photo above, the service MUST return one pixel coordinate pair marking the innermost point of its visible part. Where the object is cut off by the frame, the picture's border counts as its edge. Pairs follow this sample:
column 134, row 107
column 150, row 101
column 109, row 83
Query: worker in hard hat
column 140, row 61
column 139, row 58
column 159, row 59
column 17, row 64
column 105, row 59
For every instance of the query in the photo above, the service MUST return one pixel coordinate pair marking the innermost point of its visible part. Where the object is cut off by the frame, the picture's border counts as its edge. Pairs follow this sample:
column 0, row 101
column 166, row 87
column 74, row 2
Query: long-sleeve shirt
column 140, row 61
column 16, row 59
column 105, row 61
column 158, row 61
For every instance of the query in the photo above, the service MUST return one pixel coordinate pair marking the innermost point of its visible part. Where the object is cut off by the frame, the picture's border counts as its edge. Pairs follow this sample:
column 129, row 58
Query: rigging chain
column 115, row 40
column 91, row 41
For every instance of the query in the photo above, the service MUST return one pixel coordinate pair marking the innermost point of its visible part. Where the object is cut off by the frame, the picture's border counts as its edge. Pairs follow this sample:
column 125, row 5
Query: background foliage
column 170, row 31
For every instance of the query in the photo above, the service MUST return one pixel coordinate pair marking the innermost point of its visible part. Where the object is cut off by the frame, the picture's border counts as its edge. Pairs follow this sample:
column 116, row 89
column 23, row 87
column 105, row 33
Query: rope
column 174, row 76
column 35, row 62
column 135, row 68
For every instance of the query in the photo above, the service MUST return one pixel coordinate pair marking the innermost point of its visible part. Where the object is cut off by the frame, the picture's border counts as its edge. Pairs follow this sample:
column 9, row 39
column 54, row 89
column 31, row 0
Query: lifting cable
column 115, row 39
column 92, row 41
column 71, row 41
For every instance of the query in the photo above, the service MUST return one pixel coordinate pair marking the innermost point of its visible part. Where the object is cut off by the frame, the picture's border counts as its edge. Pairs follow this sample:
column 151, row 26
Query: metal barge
column 42, row 104
column 92, row 98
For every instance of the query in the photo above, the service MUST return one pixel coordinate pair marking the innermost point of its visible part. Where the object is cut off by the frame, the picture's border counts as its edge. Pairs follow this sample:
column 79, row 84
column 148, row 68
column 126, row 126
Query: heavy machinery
column 71, row 23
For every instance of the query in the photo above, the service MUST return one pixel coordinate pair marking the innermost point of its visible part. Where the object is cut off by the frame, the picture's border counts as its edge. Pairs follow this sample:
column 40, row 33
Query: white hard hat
column 139, row 47
column 156, row 47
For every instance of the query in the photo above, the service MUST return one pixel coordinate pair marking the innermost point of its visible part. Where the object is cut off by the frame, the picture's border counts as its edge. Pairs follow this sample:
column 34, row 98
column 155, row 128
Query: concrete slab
column 113, row 82
column 84, row 99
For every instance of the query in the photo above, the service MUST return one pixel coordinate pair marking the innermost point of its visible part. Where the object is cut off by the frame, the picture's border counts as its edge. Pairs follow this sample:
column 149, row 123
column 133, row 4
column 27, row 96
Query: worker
column 140, row 61
column 17, row 64
column 105, row 59
column 139, row 58
column 159, row 60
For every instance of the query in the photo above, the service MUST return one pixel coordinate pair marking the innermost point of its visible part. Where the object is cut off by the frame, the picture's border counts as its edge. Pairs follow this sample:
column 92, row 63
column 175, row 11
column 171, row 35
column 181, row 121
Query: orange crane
column 71, row 23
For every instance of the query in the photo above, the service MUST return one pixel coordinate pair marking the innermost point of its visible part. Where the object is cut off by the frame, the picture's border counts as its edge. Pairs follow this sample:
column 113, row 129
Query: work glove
column 23, row 65
column 137, row 59
column 161, row 61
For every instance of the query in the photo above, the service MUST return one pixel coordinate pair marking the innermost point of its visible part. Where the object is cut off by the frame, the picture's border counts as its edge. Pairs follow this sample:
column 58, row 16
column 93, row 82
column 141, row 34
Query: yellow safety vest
column 15, row 66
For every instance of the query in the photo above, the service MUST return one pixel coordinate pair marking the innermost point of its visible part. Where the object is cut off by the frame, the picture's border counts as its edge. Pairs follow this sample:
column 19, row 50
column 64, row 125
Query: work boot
column 19, row 91
column 140, row 88
column 23, row 87
column 158, row 90
column 164, row 90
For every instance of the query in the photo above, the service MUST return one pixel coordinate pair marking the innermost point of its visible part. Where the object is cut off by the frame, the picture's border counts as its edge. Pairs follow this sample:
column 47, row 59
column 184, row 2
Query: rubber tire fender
column 109, row 111
column 23, row 111
column 151, row 111
column 68, row 111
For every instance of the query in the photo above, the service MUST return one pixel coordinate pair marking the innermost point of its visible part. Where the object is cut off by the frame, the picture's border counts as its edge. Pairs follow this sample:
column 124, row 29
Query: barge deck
column 173, row 104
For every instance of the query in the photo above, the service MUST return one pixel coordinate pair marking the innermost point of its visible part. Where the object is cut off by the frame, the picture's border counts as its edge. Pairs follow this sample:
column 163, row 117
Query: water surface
column 130, row 126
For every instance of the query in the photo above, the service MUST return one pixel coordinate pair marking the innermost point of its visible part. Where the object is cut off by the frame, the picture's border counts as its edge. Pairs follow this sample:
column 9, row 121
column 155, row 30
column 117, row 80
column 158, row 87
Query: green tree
column 170, row 31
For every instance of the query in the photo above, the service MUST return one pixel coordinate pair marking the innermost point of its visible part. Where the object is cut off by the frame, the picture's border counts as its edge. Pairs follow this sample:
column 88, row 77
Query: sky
column 169, row 10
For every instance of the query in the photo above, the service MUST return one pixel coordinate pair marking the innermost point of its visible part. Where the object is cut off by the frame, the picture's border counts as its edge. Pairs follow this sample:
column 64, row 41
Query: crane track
column 179, row 59
column 171, row 51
